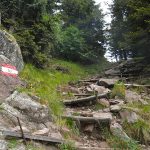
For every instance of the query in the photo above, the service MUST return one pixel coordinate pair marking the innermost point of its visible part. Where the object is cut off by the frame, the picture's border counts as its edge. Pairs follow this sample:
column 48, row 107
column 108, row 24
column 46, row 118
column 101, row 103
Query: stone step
column 97, row 117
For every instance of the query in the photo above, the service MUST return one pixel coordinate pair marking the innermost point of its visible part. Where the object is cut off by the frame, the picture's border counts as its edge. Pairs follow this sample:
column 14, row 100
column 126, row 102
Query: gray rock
column 114, row 71
column 89, row 128
column 130, row 116
column 44, row 131
column 10, row 49
column 117, row 131
column 105, row 116
column 4, row 59
column 34, row 110
column 104, row 102
column 116, row 102
column 115, row 108
column 7, row 83
column 107, row 82
column 3, row 145
column 55, row 135
column 17, row 129
column 131, row 96
column 9, row 115
column 99, row 89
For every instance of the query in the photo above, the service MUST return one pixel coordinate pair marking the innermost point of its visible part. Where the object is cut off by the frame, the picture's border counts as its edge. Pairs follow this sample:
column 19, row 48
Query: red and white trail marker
column 8, row 70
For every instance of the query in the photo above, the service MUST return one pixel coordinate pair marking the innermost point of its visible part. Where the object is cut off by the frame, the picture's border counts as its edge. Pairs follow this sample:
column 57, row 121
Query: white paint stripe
column 9, row 70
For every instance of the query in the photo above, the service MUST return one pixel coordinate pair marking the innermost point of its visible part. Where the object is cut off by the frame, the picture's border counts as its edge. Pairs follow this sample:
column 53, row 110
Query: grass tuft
column 118, row 90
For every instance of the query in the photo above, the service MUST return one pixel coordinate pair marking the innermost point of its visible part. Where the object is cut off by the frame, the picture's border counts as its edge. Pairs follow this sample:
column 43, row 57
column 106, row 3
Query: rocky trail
column 96, row 107
column 94, row 110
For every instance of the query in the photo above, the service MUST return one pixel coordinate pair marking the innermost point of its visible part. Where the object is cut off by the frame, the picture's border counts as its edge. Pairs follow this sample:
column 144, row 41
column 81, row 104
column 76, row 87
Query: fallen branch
column 13, row 134
column 86, row 99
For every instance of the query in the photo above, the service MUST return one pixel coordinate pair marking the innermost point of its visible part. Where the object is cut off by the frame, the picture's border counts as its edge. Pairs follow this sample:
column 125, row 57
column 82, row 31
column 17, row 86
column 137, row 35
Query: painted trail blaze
column 8, row 70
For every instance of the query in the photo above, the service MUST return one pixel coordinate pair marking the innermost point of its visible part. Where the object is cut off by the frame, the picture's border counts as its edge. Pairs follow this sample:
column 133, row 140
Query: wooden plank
column 9, row 134
column 86, row 99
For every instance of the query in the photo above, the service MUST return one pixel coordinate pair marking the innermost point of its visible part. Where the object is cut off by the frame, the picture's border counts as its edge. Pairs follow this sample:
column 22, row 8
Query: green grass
column 12, row 143
column 136, row 130
column 118, row 90
column 118, row 144
column 67, row 146
column 44, row 82
column 140, row 130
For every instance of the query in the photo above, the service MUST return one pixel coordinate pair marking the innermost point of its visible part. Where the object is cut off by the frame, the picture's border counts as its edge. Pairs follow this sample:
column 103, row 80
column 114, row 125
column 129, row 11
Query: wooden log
column 86, row 99
column 137, row 85
column 82, row 94
column 12, row 134
column 89, row 80
column 91, row 148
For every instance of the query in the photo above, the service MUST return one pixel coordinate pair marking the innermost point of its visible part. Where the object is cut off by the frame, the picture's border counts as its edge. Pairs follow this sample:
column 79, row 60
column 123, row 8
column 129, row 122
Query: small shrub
column 118, row 90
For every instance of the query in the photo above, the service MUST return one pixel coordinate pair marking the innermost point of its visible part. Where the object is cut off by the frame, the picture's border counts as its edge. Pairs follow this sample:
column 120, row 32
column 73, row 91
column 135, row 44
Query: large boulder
column 34, row 117
column 10, row 49
column 24, row 103
column 7, row 83
column 10, row 53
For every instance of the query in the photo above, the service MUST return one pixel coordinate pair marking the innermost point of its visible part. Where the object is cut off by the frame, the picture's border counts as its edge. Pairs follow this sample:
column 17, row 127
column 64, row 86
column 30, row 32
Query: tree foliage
column 72, row 30
column 130, row 28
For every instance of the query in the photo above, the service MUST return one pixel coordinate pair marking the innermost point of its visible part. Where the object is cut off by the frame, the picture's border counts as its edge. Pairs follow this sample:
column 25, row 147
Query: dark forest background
column 74, row 29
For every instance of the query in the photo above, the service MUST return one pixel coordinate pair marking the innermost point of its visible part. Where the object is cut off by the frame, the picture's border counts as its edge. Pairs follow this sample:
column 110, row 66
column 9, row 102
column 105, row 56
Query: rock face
column 34, row 117
column 11, row 50
column 9, row 54
column 7, row 83
column 24, row 103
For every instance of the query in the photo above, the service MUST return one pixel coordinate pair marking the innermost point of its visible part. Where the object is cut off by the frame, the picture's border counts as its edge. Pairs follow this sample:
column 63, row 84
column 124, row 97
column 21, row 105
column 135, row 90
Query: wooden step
column 84, row 100
column 12, row 134
column 97, row 117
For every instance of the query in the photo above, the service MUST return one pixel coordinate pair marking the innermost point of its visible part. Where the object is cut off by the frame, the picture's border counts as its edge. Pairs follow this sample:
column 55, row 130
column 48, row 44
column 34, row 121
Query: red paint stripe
column 9, row 66
column 8, row 74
